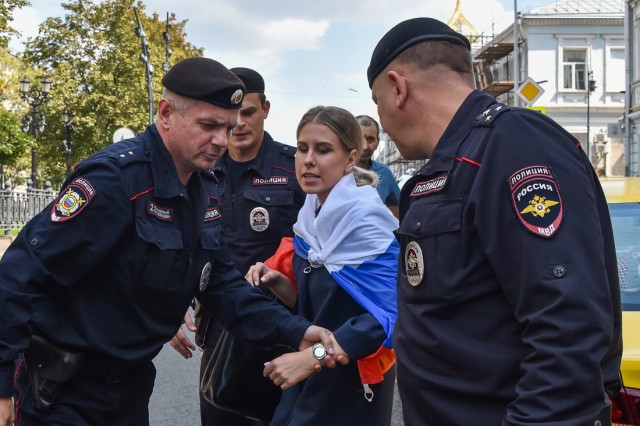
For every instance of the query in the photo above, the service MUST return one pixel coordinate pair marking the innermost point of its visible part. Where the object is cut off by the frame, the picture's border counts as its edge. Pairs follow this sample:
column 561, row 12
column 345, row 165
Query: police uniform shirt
column 263, row 206
column 508, row 299
column 110, row 267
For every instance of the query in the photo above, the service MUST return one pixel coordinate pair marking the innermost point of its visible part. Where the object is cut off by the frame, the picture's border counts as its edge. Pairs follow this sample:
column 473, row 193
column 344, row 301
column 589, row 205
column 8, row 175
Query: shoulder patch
column 537, row 200
column 72, row 200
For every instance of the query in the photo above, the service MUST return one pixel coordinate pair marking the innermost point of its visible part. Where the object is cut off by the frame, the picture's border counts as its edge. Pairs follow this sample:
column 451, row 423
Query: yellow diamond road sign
column 529, row 91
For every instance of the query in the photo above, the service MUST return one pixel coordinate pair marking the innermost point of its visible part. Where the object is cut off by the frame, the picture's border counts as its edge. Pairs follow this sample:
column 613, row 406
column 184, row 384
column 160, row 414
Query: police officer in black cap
column 259, row 199
column 97, row 282
column 508, row 298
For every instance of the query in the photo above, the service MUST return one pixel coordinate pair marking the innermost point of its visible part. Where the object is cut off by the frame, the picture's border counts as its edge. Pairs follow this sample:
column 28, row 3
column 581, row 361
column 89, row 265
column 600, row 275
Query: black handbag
column 233, row 379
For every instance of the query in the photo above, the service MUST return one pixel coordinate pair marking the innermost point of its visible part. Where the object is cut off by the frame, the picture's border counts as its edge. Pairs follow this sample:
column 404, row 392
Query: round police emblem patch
column 537, row 201
column 72, row 200
column 205, row 276
column 259, row 219
column 236, row 98
column 414, row 263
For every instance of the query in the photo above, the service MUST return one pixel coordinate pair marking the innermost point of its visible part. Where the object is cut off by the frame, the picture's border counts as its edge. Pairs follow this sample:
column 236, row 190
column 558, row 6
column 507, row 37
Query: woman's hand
column 290, row 369
column 260, row 275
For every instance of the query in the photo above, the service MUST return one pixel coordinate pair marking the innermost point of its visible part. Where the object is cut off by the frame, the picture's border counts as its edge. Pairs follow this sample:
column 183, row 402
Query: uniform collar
column 166, row 183
column 444, row 154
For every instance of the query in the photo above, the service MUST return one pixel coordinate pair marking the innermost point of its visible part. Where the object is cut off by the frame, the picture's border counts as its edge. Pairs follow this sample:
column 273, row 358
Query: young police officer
column 97, row 282
column 508, row 298
column 260, row 198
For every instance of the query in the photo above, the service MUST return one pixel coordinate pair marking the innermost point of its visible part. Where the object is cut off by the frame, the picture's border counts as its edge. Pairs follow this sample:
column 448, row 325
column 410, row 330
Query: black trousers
column 91, row 401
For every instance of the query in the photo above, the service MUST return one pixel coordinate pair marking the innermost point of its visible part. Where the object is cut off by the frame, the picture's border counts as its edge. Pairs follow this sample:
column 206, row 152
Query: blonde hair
column 346, row 127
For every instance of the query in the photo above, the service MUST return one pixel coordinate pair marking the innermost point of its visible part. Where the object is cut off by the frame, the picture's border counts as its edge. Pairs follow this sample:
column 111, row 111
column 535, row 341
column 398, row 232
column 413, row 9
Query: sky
column 309, row 52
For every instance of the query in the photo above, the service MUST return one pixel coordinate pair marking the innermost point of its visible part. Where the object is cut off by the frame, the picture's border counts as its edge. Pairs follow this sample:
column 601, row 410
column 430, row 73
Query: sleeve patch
column 72, row 200
column 537, row 200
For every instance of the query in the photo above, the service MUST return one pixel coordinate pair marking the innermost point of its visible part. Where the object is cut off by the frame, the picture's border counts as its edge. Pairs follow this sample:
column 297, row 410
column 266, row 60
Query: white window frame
column 573, row 42
column 575, row 84
column 611, row 84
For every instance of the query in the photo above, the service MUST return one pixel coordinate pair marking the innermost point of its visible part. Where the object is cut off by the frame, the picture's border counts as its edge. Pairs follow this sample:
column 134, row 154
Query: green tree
column 7, row 7
column 92, row 57
column 15, row 145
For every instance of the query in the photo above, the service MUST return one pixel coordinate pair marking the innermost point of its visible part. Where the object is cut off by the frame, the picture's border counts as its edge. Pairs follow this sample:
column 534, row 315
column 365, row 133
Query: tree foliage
column 92, row 57
column 14, row 144
column 7, row 7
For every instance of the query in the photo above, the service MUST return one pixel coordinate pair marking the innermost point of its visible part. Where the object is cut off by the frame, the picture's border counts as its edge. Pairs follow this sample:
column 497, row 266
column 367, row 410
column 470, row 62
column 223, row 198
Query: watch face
column 319, row 352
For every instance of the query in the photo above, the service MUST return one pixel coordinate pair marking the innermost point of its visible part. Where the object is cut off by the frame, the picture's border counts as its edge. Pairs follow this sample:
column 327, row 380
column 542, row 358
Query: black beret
column 253, row 82
column 405, row 35
column 205, row 80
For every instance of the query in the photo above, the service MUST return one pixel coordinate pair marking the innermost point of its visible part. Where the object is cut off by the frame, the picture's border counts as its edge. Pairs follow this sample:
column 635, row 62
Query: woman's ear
column 351, row 161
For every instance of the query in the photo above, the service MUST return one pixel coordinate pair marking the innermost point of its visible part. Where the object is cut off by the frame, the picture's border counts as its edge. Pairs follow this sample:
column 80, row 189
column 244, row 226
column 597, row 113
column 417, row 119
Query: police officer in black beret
column 97, row 282
column 259, row 199
column 508, row 297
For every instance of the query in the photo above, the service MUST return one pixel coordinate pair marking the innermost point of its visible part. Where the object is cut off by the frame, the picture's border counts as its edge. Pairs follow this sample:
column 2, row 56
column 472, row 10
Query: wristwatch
column 319, row 352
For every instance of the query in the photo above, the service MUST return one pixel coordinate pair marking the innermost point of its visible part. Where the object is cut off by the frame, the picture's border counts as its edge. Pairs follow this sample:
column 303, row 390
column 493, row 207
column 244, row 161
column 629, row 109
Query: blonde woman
column 340, row 272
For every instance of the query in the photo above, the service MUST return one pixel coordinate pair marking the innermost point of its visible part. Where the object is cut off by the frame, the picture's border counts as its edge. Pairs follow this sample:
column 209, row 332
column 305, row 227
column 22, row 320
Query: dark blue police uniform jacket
column 269, row 186
column 508, row 298
column 110, row 267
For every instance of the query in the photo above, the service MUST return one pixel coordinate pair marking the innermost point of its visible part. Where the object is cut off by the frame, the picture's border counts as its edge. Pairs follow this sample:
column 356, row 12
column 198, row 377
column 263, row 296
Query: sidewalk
column 5, row 240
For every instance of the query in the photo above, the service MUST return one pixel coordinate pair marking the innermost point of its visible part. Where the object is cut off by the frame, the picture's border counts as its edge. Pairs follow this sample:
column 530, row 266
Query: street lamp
column 67, row 119
column 591, row 86
column 32, row 122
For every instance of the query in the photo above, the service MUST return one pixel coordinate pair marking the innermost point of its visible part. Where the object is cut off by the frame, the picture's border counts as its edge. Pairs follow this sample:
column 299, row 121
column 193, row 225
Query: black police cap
column 205, row 80
column 405, row 35
column 253, row 82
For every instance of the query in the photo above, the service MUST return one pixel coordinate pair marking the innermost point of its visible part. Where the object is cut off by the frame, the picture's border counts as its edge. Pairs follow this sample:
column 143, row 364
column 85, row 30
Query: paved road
column 175, row 397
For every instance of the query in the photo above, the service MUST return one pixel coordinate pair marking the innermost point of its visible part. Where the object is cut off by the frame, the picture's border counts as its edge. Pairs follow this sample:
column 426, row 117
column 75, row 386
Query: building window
column 574, row 69
column 615, row 70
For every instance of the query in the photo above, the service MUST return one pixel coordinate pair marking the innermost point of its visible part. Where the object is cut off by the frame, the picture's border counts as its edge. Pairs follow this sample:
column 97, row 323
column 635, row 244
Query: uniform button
column 146, row 152
column 267, row 198
column 559, row 271
column 286, row 148
column 597, row 423
column 33, row 241
column 417, row 226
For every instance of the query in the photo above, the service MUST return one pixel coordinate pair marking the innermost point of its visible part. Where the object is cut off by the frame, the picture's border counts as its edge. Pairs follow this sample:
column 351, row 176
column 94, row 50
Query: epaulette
column 486, row 118
column 130, row 155
column 288, row 150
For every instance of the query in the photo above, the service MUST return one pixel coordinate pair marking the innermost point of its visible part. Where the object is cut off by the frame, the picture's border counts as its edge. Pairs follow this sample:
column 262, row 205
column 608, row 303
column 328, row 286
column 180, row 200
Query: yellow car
column 623, row 197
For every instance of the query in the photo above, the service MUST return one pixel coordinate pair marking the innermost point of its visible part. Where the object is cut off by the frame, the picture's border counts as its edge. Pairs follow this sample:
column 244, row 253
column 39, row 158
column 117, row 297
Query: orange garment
column 282, row 260
column 372, row 367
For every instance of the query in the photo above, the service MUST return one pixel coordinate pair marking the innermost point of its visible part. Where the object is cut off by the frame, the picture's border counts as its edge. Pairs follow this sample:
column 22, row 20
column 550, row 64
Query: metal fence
column 18, row 206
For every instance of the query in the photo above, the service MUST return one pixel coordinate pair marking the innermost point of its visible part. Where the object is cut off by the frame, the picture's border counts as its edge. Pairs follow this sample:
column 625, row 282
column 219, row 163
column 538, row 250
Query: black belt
column 107, row 369
column 113, row 374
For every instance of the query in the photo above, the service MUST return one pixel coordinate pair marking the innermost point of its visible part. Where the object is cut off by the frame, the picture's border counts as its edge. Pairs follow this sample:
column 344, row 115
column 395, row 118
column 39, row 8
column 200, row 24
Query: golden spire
column 461, row 24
